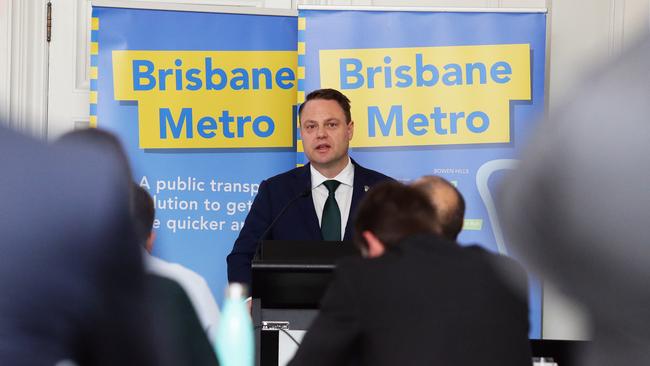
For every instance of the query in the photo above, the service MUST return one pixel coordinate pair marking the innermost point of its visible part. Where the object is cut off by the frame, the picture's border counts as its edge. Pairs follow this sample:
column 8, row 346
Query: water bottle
column 235, row 341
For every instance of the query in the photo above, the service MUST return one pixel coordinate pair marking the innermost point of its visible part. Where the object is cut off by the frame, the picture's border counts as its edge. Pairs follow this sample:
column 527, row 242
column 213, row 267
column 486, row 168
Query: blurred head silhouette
column 102, row 141
column 577, row 208
column 71, row 275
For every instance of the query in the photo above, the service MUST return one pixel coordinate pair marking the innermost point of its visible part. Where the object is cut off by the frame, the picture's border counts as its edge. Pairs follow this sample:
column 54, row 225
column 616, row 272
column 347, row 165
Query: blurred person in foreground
column 577, row 207
column 192, row 283
column 71, row 275
column 104, row 142
column 417, row 299
column 172, row 324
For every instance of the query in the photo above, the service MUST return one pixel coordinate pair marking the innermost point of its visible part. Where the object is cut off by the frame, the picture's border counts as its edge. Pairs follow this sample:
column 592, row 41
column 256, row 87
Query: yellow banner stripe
column 93, row 72
column 94, row 25
column 301, row 48
column 93, row 97
column 93, row 121
column 299, row 146
column 302, row 24
column 94, row 48
column 301, row 72
column 300, row 96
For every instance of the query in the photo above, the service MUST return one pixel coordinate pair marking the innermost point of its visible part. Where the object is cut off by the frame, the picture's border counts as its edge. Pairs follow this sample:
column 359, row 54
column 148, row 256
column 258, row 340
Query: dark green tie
column 330, row 224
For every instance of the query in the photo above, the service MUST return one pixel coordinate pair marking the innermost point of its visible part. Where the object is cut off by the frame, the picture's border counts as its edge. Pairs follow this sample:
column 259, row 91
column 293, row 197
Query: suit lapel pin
column 366, row 188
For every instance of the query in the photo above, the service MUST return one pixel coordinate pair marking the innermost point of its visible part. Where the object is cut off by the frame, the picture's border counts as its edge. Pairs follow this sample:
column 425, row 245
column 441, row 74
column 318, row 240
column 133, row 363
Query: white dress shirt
column 343, row 194
column 195, row 287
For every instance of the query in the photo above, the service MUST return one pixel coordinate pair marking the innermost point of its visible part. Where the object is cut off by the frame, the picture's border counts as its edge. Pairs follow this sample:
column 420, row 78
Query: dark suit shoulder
column 355, row 270
column 286, row 184
column 288, row 175
column 507, row 269
column 493, row 258
column 183, row 339
column 348, row 263
column 302, row 172
column 371, row 176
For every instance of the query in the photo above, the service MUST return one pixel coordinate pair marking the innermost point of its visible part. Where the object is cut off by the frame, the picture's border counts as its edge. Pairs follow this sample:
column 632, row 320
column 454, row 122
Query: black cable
column 284, row 331
column 289, row 335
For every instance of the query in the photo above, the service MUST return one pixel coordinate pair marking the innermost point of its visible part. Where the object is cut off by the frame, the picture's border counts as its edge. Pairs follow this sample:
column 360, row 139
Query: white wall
column 582, row 35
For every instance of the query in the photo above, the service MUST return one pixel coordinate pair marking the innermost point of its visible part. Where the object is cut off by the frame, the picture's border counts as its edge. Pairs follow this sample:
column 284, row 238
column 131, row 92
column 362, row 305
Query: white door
column 69, row 67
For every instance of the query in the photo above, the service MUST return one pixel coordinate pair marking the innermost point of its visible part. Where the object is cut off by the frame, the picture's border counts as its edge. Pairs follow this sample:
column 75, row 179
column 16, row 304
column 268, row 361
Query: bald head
column 448, row 202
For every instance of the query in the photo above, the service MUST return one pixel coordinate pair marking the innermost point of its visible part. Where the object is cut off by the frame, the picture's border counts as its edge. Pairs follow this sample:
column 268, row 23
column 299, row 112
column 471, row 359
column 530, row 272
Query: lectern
column 289, row 279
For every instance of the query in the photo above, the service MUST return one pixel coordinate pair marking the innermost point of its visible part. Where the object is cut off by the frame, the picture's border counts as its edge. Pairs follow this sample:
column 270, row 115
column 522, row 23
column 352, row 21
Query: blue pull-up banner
column 453, row 94
column 204, row 104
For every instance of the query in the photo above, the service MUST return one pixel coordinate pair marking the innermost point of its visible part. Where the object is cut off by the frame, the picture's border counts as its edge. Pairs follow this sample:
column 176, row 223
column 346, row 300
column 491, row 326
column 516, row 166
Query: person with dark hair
column 449, row 204
column 392, row 213
column 313, row 202
column 194, row 284
column 181, row 299
column 417, row 298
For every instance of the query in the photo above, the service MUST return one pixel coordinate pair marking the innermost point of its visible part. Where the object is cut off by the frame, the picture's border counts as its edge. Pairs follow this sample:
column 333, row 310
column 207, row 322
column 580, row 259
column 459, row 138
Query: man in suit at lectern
column 313, row 202
column 418, row 299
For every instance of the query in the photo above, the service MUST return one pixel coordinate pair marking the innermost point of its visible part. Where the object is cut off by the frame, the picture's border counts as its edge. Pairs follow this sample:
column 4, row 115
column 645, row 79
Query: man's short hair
column 393, row 211
column 143, row 213
column 449, row 216
column 329, row 94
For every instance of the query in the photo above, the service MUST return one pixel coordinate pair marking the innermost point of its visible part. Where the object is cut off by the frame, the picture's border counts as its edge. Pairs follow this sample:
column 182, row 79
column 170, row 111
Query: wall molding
column 280, row 4
column 82, row 14
column 5, row 60
column 616, row 27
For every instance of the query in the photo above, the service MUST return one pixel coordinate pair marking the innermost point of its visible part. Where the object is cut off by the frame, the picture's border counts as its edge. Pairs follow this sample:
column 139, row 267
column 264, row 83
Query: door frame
column 24, row 68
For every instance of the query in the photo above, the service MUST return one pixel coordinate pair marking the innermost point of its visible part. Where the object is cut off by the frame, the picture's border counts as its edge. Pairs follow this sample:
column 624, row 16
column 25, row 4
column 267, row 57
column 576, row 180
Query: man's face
column 325, row 135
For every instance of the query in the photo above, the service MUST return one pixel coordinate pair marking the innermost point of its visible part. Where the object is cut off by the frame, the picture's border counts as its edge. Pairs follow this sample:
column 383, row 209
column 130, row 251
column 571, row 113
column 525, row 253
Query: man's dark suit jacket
column 298, row 222
column 425, row 302
column 180, row 334
column 71, row 276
